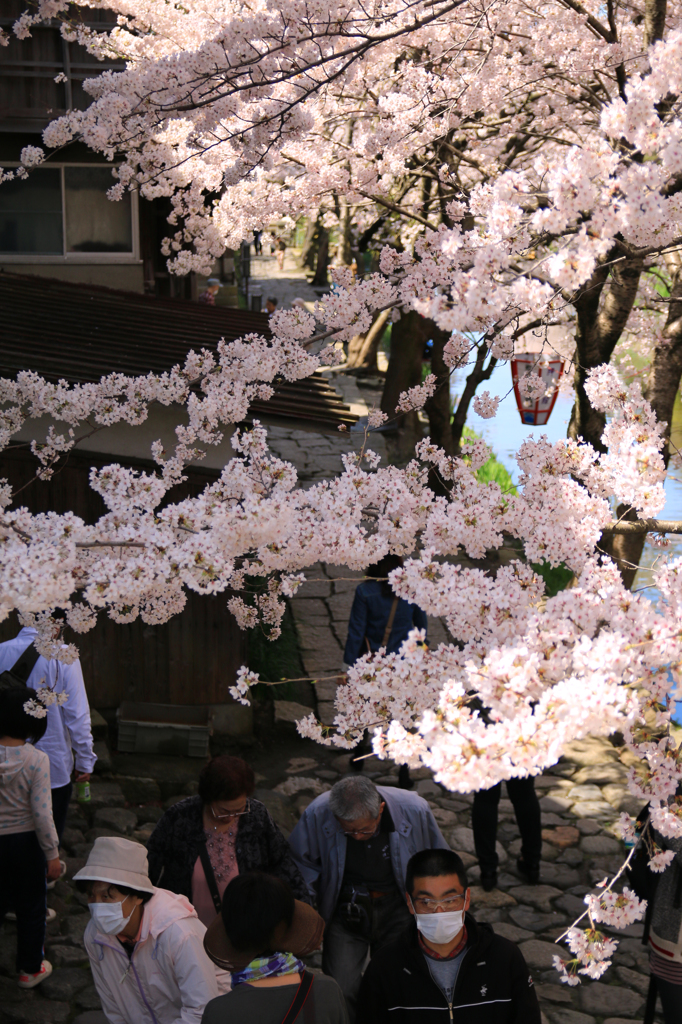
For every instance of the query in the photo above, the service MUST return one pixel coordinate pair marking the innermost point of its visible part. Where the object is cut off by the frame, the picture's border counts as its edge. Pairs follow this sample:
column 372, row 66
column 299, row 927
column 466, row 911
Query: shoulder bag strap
column 299, row 999
column 210, row 877
column 389, row 624
column 25, row 664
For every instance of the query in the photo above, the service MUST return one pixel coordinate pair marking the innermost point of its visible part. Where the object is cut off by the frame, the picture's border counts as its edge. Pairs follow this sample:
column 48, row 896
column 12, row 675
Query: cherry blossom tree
column 520, row 167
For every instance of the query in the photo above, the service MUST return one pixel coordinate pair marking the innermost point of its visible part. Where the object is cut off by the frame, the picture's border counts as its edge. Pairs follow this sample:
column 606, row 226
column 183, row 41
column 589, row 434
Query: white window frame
column 81, row 258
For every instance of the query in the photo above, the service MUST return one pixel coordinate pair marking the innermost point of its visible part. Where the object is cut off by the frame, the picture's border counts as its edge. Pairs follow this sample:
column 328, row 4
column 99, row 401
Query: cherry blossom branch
column 640, row 526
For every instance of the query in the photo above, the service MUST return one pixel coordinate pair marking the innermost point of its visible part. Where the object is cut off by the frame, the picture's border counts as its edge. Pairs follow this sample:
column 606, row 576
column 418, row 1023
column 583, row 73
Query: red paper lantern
column 536, row 411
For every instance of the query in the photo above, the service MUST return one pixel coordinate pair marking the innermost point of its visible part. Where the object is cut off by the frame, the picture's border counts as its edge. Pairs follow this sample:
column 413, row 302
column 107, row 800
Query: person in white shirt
column 68, row 731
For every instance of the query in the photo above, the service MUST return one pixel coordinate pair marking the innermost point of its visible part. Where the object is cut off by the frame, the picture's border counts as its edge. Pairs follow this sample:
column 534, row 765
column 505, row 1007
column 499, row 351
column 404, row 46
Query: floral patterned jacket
column 174, row 846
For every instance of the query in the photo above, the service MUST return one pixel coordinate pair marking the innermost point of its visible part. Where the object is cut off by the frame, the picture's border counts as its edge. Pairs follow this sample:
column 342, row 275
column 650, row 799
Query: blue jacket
column 369, row 618
column 319, row 846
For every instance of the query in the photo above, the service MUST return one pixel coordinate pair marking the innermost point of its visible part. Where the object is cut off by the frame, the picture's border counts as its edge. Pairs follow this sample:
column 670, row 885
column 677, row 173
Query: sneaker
column 531, row 872
column 31, row 980
column 51, row 885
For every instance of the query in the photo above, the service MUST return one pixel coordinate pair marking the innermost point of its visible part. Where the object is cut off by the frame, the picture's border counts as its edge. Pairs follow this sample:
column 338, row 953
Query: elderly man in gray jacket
column 352, row 846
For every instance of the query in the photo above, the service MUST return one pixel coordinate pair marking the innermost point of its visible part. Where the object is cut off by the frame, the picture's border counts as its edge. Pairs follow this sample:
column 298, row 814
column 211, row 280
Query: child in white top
column 29, row 846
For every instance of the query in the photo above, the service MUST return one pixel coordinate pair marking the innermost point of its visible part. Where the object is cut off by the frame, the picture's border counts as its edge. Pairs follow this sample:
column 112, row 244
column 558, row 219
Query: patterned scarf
column 268, row 967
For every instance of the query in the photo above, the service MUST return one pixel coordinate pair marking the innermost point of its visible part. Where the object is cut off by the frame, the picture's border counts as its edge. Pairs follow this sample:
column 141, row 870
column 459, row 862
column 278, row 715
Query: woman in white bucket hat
column 145, row 944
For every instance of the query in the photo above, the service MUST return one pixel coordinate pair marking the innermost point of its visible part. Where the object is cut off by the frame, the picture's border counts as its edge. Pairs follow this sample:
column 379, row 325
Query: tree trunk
column 438, row 408
column 344, row 254
column 479, row 373
column 597, row 334
column 654, row 20
column 666, row 368
column 309, row 248
column 363, row 348
column 661, row 391
column 320, row 278
column 404, row 366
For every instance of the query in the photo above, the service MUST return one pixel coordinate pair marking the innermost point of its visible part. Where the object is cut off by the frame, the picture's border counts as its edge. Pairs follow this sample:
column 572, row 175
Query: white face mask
column 109, row 917
column 440, row 928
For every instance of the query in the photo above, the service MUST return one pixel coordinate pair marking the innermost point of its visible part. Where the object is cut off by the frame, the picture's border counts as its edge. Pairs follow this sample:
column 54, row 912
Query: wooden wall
column 192, row 659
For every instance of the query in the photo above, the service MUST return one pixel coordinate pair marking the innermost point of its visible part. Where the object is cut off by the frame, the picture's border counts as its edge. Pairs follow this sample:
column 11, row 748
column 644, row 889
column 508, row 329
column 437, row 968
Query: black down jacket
column 493, row 986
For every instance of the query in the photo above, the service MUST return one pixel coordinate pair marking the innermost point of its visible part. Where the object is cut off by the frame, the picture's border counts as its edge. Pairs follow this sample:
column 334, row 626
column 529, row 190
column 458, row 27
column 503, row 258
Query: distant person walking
column 526, row 806
column 280, row 249
column 208, row 296
column 379, row 618
column 257, row 243
column 68, row 730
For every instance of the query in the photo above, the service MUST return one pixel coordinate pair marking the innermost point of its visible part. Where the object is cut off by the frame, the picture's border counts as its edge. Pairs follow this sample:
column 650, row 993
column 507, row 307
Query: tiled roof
column 82, row 332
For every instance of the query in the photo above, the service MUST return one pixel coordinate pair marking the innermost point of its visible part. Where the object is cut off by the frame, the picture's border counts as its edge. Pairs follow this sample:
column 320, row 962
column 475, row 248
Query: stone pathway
column 284, row 285
column 581, row 797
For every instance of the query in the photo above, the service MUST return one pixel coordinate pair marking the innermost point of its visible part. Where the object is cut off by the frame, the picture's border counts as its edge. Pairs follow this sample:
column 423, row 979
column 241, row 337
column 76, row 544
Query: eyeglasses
column 423, row 905
column 350, row 832
column 231, row 814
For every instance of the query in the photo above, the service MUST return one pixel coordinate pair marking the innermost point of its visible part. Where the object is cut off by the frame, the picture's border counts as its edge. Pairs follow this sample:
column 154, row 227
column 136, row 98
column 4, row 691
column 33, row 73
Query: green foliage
column 556, row 578
column 493, row 469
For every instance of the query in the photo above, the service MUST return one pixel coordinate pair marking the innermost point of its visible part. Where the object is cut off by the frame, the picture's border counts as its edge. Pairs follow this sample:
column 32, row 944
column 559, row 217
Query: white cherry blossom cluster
column 486, row 405
column 416, row 397
column 591, row 949
column 45, row 697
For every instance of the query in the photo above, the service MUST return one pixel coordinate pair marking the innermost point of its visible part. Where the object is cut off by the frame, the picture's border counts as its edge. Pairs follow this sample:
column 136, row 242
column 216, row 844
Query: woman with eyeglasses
column 202, row 843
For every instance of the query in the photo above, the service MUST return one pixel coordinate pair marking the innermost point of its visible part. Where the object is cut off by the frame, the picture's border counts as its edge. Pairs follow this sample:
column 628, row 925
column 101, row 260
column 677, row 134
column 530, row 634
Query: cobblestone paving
column 581, row 797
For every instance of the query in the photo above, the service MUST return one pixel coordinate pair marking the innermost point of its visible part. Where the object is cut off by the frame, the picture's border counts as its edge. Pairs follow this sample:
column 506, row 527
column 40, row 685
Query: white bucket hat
column 119, row 862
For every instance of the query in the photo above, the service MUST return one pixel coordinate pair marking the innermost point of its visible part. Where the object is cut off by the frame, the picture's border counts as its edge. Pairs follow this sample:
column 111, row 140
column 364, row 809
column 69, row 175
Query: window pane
column 31, row 214
column 93, row 222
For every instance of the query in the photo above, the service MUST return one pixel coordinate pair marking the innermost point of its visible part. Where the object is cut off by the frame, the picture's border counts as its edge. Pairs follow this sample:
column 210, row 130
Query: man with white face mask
column 146, row 945
column 446, row 967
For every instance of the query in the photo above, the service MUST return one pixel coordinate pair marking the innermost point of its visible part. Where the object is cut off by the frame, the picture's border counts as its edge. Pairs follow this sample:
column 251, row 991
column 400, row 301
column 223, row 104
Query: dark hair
column 273, row 299
column 83, row 885
column 226, row 778
column 382, row 568
column 253, row 905
column 434, row 864
column 16, row 722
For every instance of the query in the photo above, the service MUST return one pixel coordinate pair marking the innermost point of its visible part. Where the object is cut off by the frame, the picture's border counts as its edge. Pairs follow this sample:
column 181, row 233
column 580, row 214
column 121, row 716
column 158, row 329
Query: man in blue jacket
column 352, row 846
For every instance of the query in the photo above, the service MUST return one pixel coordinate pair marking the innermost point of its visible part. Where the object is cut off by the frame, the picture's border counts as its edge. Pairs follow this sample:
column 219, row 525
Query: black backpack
column 18, row 674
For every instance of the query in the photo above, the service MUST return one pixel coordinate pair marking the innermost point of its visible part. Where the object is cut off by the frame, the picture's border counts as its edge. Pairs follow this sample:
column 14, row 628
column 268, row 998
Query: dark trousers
column 22, row 889
column 344, row 954
column 61, row 795
column 671, row 1001
column 484, row 822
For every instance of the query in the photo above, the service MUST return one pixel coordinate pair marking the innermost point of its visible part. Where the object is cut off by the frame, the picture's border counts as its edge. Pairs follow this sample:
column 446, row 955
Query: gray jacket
column 319, row 846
